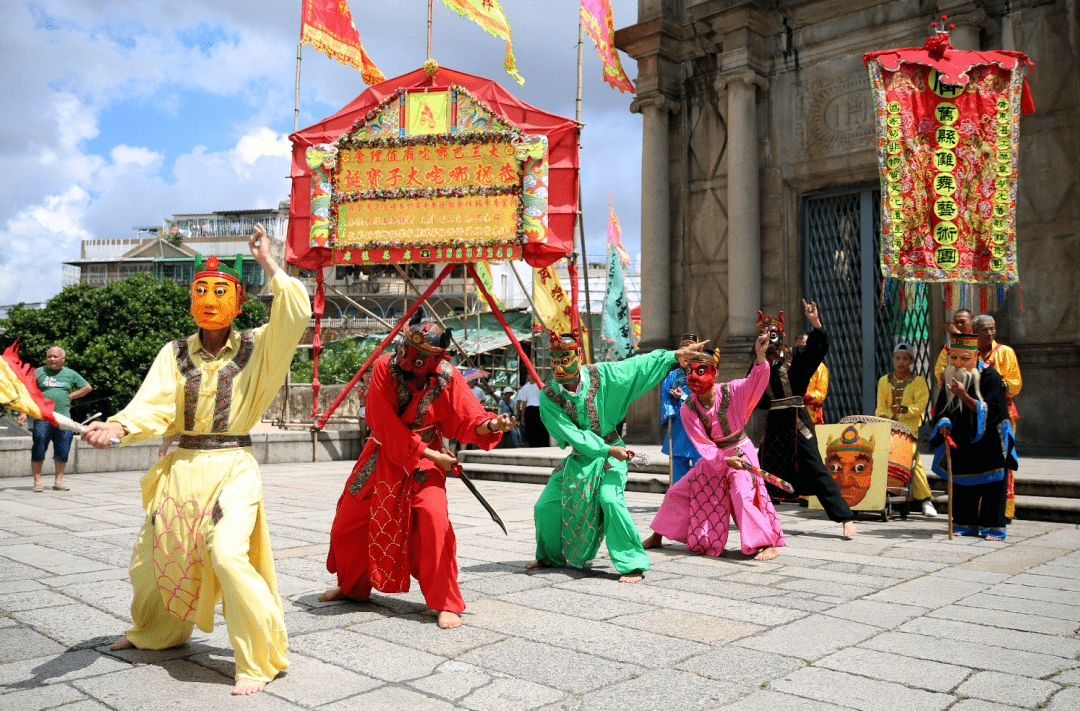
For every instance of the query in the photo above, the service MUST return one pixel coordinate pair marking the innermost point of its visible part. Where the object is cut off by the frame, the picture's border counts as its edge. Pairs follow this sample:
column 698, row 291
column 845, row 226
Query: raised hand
column 761, row 345
column 687, row 351
column 811, row 311
column 259, row 244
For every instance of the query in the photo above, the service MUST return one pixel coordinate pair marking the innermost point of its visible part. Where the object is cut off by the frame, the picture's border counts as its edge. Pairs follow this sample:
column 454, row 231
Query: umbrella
column 474, row 374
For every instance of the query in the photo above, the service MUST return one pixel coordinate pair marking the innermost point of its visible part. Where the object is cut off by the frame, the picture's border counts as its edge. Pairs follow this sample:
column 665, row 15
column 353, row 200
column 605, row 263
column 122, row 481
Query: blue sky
column 123, row 113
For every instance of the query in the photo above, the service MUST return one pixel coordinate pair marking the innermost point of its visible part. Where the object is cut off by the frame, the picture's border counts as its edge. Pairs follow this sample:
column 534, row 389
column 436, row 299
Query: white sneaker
column 928, row 509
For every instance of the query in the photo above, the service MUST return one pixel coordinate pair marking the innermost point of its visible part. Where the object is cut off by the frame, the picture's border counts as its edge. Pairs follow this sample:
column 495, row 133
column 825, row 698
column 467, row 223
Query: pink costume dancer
column 695, row 510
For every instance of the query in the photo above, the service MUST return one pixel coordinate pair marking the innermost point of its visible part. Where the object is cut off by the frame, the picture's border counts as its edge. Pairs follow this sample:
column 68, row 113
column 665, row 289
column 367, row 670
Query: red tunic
column 392, row 519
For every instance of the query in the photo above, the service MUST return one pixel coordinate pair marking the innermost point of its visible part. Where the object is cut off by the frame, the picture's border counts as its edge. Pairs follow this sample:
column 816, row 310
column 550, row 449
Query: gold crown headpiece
column 850, row 441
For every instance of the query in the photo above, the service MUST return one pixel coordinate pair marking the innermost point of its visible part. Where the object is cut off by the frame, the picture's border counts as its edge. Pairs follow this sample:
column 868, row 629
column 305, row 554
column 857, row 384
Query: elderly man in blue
column 673, row 392
column 972, row 416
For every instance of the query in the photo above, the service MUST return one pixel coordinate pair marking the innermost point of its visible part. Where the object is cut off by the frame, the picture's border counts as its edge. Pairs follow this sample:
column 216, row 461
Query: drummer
column 902, row 396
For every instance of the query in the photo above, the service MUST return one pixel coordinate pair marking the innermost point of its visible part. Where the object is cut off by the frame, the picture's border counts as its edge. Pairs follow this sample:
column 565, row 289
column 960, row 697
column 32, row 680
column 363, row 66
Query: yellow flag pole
column 429, row 5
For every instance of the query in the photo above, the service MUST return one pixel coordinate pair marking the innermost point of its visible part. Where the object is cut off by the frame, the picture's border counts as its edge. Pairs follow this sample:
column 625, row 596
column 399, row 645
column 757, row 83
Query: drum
column 901, row 449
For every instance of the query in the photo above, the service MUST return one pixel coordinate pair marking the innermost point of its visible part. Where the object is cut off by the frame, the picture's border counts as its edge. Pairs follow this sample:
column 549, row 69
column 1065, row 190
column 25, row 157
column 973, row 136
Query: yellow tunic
column 206, row 534
column 939, row 366
column 1003, row 359
column 916, row 394
column 816, row 390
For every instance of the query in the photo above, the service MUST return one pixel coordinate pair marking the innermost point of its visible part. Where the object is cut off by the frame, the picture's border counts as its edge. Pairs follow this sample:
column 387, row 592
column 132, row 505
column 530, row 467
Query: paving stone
column 378, row 658
column 980, row 705
column 75, row 626
column 568, row 602
column 511, row 695
column 679, row 600
column 747, row 667
column 1007, row 688
column 422, row 632
column 60, row 581
column 719, row 588
column 810, row 638
column 573, row 672
column 835, row 576
column 108, row 596
column 454, row 680
column 996, row 637
column 831, row 593
column 879, row 614
column 933, row 676
column 1027, row 607
column 24, row 643
column 389, row 698
column 144, row 687
column 858, row 692
column 54, row 669
column 310, row 682
column 1071, row 676
column 1028, row 592
column 1013, row 560
column 928, row 592
column 600, row 638
column 329, row 618
column 1043, row 577
column 968, row 654
column 688, row 625
column 1007, row 620
column 16, row 602
column 661, row 690
column 1065, row 700
column 774, row 701
column 7, row 587
column 504, row 584
column 972, row 576
column 50, row 561
column 41, row 698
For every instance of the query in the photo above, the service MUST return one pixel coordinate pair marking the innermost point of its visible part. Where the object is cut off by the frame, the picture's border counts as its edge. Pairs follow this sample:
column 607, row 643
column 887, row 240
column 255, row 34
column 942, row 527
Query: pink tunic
column 697, row 508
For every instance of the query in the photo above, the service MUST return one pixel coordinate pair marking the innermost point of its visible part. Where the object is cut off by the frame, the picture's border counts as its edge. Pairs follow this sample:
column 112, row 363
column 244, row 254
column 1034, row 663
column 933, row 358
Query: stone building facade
column 759, row 112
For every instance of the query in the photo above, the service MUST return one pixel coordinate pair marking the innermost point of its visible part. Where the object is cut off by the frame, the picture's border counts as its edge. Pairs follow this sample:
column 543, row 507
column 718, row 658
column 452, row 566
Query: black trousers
column 790, row 454
column 814, row 480
column 979, row 505
column 535, row 432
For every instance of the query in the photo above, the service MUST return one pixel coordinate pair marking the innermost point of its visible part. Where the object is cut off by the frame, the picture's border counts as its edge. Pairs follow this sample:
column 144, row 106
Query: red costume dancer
column 392, row 519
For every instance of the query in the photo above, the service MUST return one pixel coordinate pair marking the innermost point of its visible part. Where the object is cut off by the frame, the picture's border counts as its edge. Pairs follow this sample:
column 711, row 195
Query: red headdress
column 564, row 342
column 765, row 323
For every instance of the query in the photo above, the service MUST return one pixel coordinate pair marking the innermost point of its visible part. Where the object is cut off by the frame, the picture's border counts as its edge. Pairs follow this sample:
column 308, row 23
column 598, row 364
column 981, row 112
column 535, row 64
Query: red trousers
column 432, row 546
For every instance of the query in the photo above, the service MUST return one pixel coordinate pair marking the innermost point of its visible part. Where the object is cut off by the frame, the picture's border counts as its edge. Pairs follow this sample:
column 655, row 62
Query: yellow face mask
column 215, row 302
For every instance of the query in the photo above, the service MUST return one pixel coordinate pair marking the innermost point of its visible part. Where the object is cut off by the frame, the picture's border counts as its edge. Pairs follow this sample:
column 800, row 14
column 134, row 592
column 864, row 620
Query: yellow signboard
column 427, row 113
column 464, row 166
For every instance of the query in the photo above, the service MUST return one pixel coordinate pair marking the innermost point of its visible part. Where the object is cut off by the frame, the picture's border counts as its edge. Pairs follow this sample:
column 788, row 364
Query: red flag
column 328, row 27
column 596, row 16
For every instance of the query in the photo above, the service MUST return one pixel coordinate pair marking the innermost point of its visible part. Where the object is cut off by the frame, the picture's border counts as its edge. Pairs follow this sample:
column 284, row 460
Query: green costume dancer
column 584, row 499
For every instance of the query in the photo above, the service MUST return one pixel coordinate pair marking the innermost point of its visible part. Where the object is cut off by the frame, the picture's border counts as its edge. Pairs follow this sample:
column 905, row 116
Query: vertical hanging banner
column 617, row 337
column 551, row 301
column 483, row 273
column 490, row 16
column 947, row 130
column 596, row 17
column 327, row 25
column 614, row 234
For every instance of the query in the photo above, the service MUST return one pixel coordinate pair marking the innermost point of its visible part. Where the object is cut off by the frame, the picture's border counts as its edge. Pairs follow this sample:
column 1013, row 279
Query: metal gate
column 841, row 272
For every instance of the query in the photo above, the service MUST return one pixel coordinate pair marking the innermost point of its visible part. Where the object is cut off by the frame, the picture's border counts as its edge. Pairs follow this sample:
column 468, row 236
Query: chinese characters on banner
column 947, row 146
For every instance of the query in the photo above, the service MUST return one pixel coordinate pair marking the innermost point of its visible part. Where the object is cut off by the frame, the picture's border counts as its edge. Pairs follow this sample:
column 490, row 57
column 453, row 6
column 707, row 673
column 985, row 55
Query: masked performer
column 789, row 448
column 206, row 536
column 696, row 510
column 972, row 416
column 673, row 392
column 1003, row 359
column 903, row 396
column 392, row 520
column 583, row 408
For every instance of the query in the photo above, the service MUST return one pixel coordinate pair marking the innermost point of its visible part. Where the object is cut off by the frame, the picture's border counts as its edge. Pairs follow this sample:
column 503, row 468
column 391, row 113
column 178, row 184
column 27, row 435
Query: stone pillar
column 969, row 18
column 655, row 220
column 744, row 203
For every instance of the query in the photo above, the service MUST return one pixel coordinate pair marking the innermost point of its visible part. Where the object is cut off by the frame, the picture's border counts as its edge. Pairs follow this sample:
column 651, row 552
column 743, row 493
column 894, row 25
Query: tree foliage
column 111, row 335
column 337, row 363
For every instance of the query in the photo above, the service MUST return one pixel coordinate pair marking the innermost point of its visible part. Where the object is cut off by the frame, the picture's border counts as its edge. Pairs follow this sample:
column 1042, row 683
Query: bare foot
column 328, row 596
column 449, row 620
column 247, row 686
column 535, row 564
column 849, row 529
column 634, row 576
column 767, row 553
column 122, row 643
column 653, row 541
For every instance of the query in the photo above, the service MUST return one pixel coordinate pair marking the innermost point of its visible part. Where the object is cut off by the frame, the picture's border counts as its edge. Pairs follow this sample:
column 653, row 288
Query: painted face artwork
column 850, row 461
column 565, row 365
column 215, row 302
column 700, row 377
column 963, row 358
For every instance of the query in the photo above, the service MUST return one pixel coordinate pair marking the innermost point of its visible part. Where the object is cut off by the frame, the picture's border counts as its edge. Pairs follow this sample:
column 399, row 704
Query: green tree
column 337, row 363
column 111, row 335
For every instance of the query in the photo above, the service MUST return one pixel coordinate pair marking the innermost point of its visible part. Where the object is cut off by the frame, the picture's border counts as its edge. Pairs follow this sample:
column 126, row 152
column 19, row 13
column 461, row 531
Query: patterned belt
column 609, row 439
column 733, row 438
column 429, row 433
column 214, row 441
column 783, row 403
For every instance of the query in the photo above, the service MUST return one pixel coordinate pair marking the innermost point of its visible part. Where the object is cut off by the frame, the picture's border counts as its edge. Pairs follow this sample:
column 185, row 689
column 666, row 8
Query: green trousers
column 623, row 540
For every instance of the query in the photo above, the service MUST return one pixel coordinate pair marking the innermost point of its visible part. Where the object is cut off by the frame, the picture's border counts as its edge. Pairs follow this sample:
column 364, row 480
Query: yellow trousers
column 253, row 612
column 920, row 487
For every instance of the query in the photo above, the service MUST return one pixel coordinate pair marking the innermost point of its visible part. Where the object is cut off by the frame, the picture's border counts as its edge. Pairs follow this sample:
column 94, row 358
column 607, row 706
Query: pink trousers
column 697, row 510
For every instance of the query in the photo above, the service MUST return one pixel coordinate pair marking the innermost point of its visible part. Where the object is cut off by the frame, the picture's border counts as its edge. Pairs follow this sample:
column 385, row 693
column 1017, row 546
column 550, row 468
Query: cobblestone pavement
column 899, row 618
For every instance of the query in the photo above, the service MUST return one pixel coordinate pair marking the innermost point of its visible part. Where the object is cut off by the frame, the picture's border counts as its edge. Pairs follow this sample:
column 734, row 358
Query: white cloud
column 143, row 157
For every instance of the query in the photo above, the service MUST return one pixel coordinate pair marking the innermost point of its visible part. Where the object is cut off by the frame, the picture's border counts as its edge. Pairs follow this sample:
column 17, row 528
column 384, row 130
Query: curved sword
column 458, row 470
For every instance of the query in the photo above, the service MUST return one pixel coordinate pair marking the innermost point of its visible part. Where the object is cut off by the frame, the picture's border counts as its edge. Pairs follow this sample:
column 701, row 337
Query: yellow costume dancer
column 903, row 396
column 206, row 536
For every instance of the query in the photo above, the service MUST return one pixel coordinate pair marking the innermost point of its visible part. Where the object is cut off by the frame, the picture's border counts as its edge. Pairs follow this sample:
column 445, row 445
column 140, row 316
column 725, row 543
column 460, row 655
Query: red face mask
column 700, row 377
column 417, row 362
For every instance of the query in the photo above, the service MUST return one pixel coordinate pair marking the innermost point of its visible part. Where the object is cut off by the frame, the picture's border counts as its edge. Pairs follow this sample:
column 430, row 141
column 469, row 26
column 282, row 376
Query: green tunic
column 584, row 500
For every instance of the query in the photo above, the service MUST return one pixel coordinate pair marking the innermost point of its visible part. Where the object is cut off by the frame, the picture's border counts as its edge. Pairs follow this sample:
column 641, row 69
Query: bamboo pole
column 358, row 306
column 948, row 468
column 429, row 6
column 528, row 298
column 582, row 255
